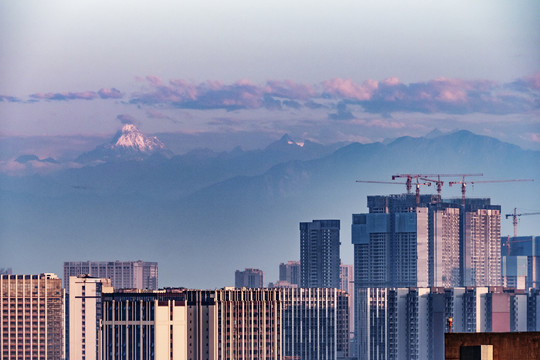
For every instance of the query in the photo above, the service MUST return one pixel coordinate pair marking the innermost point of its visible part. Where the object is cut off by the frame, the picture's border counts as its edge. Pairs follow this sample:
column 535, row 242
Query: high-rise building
column 319, row 254
column 315, row 323
column 391, row 242
column 249, row 278
column 402, row 243
column 480, row 243
column 346, row 277
column 229, row 323
column 443, row 247
column 520, row 258
column 405, row 243
column 32, row 309
column 85, row 315
column 123, row 274
column 410, row 323
column 290, row 272
column 184, row 324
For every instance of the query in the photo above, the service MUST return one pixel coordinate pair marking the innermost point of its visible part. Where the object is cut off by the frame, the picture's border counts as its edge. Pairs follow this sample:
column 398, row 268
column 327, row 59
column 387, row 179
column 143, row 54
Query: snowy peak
column 128, row 144
column 130, row 137
column 285, row 144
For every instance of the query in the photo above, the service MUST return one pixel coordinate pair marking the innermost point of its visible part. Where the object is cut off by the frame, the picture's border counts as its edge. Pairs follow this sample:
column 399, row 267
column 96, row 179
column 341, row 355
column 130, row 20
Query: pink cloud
column 110, row 93
column 154, row 80
column 392, row 81
column 348, row 89
column 534, row 81
column 452, row 95
column 446, row 95
column 289, row 89
column 534, row 137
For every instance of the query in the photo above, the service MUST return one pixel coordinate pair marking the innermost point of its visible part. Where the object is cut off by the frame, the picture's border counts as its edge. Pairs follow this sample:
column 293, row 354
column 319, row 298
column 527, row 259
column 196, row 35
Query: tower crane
column 464, row 184
column 408, row 184
column 409, row 179
column 515, row 220
column 440, row 183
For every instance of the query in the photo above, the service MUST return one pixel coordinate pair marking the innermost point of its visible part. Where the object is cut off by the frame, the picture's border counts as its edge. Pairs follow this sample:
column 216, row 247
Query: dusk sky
column 319, row 70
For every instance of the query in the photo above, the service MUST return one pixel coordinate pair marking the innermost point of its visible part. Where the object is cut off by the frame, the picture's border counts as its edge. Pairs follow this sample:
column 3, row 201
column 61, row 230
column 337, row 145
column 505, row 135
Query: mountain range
column 204, row 214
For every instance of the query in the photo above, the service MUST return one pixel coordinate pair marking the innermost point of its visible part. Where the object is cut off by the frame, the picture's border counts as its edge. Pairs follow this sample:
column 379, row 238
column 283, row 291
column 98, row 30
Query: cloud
column 534, row 137
column 208, row 95
column 527, row 84
column 440, row 95
column 85, row 95
column 452, row 96
column 154, row 114
column 292, row 104
column 104, row 93
column 342, row 113
column 110, row 93
column 9, row 98
column 346, row 88
column 289, row 89
column 126, row 119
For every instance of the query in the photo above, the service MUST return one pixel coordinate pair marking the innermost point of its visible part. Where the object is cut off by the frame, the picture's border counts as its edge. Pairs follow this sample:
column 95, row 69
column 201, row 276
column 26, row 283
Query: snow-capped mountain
column 130, row 137
column 128, row 144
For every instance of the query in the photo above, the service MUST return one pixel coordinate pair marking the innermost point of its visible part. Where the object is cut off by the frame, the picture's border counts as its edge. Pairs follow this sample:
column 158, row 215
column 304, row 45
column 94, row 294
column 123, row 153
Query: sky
column 318, row 70
column 72, row 72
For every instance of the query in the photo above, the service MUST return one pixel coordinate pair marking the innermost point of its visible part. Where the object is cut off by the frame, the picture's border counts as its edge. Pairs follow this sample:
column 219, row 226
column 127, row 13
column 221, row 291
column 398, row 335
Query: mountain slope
column 203, row 215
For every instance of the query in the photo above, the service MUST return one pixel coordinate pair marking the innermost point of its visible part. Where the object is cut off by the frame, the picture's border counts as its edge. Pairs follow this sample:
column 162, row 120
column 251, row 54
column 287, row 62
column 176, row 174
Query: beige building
column 181, row 324
column 482, row 246
column 85, row 315
column 32, row 310
column 225, row 324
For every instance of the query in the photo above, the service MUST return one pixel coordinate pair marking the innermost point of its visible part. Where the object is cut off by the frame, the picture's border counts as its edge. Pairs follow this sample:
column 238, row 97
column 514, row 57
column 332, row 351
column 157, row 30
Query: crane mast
column 515, row 216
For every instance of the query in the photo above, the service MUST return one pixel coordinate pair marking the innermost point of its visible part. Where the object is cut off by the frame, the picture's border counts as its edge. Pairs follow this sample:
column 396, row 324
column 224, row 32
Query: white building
column 85, row 315
column 410, row 323
column 481, row 234
column 123, row 274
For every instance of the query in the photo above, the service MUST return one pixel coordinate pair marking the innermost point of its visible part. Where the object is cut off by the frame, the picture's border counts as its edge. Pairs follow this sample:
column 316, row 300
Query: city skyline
column 198, row 135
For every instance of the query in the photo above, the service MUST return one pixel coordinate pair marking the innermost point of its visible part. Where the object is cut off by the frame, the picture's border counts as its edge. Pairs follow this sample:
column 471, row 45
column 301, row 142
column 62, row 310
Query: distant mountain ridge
column 206, row 202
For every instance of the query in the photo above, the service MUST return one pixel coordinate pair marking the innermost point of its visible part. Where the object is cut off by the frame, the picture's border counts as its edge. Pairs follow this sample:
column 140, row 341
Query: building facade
column 249, row 278
column 346, row 277
column 521, row 261
column 315, row 323
column 391, row 242
column 192, row 324
column 319, row 254
column 443, row 247
column 402, row 243
column 480, row 243
column 410, row 323
column 85, row 316
column 32, row 309
column 123, row 274
column 290, row 272
column 240, row 324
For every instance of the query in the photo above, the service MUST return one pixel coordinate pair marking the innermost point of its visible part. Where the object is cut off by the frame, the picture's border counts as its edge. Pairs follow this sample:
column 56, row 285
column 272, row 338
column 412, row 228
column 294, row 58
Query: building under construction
column 406, row 241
